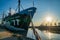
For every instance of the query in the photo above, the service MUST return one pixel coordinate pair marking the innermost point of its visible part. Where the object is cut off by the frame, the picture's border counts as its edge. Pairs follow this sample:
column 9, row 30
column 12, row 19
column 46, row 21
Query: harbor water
column 45, row 35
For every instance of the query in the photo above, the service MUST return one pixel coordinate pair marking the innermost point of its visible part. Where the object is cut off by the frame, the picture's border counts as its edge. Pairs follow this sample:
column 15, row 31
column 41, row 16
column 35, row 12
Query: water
column 45, row 35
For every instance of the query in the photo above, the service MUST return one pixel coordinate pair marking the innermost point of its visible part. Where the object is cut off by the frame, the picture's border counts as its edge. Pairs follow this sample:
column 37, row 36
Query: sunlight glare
column 48, row 19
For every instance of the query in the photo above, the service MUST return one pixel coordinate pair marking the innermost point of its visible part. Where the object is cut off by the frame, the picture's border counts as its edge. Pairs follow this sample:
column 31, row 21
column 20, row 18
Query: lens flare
column 49, row 19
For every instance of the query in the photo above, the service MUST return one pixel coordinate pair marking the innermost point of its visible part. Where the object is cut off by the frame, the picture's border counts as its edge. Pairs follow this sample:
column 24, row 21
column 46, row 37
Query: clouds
column 12, row 12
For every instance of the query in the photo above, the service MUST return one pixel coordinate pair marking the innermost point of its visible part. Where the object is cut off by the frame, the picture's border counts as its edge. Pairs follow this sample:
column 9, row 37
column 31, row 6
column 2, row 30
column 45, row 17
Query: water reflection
column 45, row 35
column 52, row 36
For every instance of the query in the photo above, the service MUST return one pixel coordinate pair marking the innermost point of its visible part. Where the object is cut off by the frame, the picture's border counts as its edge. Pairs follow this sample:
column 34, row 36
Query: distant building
column 59, row 24
column 55, row 24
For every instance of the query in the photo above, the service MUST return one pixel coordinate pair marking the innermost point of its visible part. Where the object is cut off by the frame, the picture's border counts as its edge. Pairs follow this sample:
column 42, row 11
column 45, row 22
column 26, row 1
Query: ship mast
column 18, row 6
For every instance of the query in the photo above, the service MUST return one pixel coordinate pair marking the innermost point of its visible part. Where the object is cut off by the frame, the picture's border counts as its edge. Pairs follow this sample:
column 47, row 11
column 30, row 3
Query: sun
column 49, row 19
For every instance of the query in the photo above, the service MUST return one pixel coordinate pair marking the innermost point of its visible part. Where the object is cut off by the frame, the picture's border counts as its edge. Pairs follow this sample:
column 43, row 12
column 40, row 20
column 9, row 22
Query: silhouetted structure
column 59, row 24
column 19, row 22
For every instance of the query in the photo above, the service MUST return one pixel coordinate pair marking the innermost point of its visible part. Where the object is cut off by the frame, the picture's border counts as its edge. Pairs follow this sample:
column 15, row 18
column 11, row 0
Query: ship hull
column 22, row 25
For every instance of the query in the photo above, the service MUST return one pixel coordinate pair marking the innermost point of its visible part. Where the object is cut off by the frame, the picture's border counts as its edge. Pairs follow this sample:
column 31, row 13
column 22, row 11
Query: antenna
column 18, row 6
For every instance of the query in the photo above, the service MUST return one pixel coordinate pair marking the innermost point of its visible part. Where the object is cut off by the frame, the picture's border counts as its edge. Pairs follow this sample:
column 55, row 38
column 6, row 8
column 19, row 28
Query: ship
column 19, row 22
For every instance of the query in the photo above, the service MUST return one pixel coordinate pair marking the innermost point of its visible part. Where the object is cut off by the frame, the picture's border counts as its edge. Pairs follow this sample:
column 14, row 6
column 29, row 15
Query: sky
column 44, row 8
